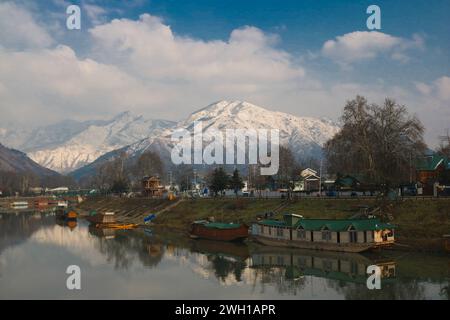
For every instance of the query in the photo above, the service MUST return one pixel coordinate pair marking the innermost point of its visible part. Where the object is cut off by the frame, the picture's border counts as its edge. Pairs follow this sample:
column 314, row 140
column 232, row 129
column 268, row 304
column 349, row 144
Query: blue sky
column 302, row 57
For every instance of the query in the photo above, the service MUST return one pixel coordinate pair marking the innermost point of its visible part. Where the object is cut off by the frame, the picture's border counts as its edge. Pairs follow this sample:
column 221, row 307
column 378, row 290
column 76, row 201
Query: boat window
column 353, row 236
column 301, row 234
column 280, row 260
column 280, row 232
column 326, row 235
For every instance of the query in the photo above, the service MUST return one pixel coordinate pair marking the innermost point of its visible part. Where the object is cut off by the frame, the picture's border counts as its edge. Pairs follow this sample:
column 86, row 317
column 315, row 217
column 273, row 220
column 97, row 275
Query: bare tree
column 376, row 142
column 444, row 146
column 289, row 169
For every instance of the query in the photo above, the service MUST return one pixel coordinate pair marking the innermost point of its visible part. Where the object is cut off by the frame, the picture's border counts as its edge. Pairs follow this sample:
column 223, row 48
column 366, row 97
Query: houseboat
column 346, row 235
column 101, row 218
column 218, row 231
column 19, row 205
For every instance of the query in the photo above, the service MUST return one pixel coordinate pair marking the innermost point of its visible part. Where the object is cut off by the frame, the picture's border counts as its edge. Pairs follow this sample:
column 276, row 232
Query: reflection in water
column 145, row 264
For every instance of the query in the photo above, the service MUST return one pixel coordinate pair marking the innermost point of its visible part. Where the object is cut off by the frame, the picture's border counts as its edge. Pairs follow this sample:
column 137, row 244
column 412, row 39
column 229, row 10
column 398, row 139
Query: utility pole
column 195, row 179
column 410, row 168
column 320, row 178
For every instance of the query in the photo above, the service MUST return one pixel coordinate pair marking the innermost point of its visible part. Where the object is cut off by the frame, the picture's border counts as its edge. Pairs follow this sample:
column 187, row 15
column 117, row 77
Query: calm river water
column 36, row 249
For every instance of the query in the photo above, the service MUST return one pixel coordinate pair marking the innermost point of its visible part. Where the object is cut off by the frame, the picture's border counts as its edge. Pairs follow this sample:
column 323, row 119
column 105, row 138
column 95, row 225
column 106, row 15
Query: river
column 36, row 249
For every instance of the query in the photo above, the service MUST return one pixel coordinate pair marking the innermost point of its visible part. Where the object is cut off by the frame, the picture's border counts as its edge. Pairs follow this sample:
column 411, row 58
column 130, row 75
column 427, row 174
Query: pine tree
column 218, row 181
column 236, row 182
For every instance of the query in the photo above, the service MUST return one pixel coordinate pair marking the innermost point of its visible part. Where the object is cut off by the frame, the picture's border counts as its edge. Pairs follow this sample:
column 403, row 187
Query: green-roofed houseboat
column 218, row 231
column 347, row 235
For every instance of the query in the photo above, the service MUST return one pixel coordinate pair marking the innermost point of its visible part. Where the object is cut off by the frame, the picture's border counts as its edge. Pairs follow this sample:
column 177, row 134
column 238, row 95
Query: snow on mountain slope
column 304, row 135
column 12, row 160
column 95, row 140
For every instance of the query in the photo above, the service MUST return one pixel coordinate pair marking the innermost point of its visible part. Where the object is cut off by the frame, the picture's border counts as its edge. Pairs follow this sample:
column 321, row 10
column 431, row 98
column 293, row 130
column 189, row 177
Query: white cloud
column 149, row 49
column 49, row 82
column 438, row 89
column 95, row 13
column 143, row 66
column 19, row 30
column 443, row 88
column 365, row 45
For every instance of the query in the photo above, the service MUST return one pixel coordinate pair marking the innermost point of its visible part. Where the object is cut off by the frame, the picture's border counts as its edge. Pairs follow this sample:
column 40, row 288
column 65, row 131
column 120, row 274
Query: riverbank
column 420, row 223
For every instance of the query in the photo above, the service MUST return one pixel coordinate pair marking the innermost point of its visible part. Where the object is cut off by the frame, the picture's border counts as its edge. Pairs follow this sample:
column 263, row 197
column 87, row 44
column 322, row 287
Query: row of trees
column 121, row 174
column 219, row 180
column 22, row 182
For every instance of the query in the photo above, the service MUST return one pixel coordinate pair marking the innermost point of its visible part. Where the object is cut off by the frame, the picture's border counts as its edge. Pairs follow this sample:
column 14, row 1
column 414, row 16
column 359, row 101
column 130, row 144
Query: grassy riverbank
column 420, row 223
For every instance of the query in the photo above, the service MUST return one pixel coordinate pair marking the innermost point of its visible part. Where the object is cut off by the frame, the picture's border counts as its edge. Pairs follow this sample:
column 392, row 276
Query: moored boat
column 218, row 231
column 346, row 235
column 101, row 217
column 62, row 204
column 19, row 205
column 66, row 214
column 446, row 241
column 122, row 226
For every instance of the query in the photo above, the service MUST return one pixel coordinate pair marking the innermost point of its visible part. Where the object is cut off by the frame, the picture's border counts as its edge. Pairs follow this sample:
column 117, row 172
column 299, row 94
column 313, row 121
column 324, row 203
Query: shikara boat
column 123, row 226
column 107, row 220
column 218, row 231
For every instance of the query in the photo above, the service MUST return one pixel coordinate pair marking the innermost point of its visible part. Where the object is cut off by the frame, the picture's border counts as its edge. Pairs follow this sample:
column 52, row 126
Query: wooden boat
column 123, row 226
column 344, row 235
column 62, row 204
column 19, row 205
column 446, row 238
column 218, row 231
column 66, row 214
column 101, row 218
column 41, row 203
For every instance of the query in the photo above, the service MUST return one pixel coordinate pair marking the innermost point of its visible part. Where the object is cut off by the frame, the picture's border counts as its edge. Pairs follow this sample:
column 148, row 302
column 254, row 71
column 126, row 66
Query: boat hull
column 101, row 219
column 351, row 247
column 235, row 234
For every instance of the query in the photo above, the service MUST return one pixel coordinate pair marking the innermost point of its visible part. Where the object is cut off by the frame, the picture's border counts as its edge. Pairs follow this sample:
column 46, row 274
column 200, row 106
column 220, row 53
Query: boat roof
column 333, row 224
column 218, row 225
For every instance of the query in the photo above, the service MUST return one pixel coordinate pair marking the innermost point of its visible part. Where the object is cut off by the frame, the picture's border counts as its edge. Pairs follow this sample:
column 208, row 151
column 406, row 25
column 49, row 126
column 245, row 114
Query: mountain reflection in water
column 36, row 248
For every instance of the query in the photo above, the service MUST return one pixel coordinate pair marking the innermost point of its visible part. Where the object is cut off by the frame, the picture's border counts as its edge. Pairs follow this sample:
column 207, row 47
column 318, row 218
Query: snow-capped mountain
column 305, row 136
column 69, row 144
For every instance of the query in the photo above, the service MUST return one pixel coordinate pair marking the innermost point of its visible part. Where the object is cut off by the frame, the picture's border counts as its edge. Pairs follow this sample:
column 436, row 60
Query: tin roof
column 431, row 162
column 218, row 225
column 332, row 224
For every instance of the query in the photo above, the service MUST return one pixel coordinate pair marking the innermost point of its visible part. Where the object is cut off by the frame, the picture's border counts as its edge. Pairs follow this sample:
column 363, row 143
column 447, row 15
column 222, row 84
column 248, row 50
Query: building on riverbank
column 151, row 187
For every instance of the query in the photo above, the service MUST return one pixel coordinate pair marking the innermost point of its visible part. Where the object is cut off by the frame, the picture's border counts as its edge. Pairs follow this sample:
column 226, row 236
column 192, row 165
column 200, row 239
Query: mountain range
column 78, row 147
column 69, row 145
column 15, row 161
